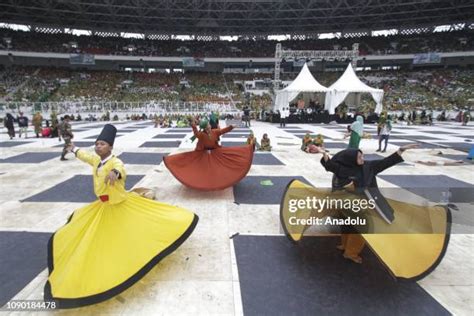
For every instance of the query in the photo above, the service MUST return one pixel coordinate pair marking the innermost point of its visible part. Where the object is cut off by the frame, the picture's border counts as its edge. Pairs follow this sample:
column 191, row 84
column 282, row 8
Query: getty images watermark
column 322, row 209
column 29, row 305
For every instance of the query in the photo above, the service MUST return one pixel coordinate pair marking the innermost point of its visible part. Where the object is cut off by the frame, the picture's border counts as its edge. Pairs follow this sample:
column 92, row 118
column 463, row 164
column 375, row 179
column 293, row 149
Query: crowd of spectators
column 11, row 78
column 67, row 85
column 439, row 89
column 368, row 45
column 436, row 89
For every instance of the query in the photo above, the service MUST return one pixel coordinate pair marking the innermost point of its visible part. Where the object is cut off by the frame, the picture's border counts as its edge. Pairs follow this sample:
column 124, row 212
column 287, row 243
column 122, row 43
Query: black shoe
column 63, row 159
column 383, row 151
column 377, row 150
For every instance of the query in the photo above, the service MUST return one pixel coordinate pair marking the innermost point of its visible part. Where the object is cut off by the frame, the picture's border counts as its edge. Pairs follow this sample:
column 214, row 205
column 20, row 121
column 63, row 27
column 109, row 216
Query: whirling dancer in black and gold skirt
column 409, row 238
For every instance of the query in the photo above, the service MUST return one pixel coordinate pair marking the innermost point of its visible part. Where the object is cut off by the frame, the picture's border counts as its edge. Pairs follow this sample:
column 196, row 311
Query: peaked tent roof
column 305, row 82
column 351, row 83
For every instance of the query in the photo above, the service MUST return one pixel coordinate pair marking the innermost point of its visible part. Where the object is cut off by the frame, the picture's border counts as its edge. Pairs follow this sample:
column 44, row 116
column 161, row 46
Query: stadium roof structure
column 236, row 17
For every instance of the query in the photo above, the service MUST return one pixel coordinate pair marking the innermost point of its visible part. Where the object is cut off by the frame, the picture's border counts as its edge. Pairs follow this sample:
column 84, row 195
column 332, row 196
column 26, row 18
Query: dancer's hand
column 405, row 147
column 111, row 178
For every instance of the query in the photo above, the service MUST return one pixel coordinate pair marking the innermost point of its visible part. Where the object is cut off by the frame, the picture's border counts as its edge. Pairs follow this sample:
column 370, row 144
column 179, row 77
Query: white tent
column 349, row 83
column 304, row 82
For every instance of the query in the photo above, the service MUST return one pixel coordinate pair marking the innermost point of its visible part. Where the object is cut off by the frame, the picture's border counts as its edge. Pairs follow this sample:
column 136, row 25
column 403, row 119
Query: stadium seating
column 381, row 45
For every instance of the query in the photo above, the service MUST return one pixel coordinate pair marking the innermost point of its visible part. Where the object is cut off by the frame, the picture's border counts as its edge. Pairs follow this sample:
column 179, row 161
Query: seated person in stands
column 381, row 122
column 265, row 143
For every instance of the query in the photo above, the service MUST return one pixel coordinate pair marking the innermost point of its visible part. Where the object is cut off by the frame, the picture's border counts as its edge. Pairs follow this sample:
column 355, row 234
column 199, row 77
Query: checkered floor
column 203, row 276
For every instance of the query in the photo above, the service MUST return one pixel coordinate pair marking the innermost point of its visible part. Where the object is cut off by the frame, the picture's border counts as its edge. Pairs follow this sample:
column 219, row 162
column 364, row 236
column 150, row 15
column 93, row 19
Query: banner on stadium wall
column 193, row 62
column 81, row 59
column 428, row 58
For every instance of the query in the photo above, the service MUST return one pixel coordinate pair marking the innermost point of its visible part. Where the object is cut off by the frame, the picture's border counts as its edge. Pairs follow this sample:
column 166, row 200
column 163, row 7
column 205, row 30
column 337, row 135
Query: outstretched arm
column 385, row 163
column 226, row 130
column 393, row 159
column 195, row 130
column 118, row 172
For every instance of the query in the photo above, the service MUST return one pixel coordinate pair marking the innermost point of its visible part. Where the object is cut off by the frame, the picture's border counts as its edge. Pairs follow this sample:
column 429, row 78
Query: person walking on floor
column 356, row 132
column 9, row 122
column 283, row 115
column 66, row 132
column 23, row 125
column 59, row 128
column 54, row 125
column 246, row 116
column 385, row 130
column 37, row 123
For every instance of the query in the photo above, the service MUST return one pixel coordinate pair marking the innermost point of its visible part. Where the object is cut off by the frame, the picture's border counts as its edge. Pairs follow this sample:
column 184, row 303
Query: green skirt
column 354, row 141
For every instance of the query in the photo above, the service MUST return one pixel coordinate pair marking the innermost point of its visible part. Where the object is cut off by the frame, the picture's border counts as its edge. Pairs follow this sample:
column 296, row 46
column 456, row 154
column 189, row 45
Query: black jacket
column 22, row 121
column 8, row 121
column 363, row 176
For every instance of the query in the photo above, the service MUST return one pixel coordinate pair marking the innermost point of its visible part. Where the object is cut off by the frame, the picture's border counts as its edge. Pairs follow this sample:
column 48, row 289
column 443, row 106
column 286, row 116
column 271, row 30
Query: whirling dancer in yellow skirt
column 108, row 245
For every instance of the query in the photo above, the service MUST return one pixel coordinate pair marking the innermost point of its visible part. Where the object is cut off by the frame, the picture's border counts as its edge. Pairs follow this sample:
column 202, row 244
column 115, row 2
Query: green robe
column 354, row 141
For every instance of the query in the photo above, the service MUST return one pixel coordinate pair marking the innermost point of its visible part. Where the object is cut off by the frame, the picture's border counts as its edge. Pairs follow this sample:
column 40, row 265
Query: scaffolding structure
column 314, row 56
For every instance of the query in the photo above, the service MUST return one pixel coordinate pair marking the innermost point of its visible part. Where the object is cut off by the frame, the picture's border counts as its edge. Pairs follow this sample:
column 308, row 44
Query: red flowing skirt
column 211, row 170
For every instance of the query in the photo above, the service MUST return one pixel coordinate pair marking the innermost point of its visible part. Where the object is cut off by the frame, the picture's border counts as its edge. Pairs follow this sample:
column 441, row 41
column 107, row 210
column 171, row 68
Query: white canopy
column 304, row 82
column 350, row 83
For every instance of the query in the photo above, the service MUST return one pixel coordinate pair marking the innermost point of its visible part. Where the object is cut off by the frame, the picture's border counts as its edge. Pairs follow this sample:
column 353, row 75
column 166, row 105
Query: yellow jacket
column 115, row 192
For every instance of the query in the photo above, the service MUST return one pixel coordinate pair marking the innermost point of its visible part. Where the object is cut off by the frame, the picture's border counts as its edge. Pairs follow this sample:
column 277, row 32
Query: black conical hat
column 108, row 134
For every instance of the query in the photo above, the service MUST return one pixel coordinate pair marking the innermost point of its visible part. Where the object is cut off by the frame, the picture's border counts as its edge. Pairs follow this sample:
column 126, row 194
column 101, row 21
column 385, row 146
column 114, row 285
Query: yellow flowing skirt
column 104, row 248
column 410, row 247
